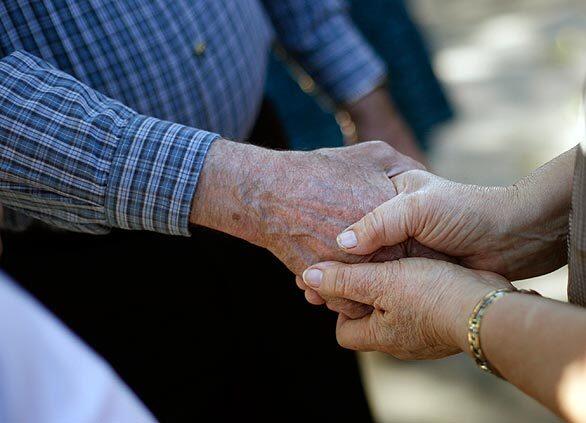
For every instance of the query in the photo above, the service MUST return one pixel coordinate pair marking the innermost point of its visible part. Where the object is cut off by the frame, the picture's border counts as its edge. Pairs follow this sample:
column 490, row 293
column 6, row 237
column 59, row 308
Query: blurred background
column 513, row 70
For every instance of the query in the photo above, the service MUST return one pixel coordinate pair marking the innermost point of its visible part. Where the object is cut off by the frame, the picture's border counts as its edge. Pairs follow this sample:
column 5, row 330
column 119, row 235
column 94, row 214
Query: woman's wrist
column 534, row 233
column 462, row 311
column 471, row 291
column 527, row 223
column 530, row 219
column 541, row 201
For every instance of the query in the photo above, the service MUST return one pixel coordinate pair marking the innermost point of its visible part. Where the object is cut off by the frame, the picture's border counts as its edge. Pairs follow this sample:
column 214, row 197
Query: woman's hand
column 518, row 231
column 421, row 309
column 420, row 306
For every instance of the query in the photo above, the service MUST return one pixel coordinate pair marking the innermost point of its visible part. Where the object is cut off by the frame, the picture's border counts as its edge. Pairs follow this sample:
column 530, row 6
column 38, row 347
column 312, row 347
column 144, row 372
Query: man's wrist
column 234, row 180
column 374, row 117
column 372, row 107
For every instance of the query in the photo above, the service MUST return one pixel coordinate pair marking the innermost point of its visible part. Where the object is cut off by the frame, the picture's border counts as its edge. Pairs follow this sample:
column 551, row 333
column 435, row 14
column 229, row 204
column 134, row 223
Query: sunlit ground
column 514, row 69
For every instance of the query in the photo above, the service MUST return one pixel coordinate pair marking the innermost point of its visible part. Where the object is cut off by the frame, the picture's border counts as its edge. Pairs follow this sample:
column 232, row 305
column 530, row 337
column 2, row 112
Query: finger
column 351, row 309
column 300, row 284
column 401, row 164
column 363, row 283
column 388, row 158
column 388, row 224
column 356, row 334
column 313, row 297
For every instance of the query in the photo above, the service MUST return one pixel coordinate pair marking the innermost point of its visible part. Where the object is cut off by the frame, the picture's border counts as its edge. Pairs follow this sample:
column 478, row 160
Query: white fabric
column 48, row 375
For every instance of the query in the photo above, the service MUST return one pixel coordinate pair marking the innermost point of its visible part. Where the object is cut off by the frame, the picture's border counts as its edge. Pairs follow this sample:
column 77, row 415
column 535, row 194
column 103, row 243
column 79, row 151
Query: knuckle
column 412, row 180
column 385, row 231
column 393, row 270
column 378, row 144
column 342, row 280
column 373, row 279
column 392, row 279
column 410, row 201
column 372, row 225
column 381, row 149
column 417, row 175
column 410, row 207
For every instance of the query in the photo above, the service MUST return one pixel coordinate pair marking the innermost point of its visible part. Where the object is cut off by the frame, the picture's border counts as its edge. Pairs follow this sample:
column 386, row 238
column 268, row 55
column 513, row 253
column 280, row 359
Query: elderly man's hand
column 507, row 230
column 321, row 191
column 421, row 306
column 294, row 203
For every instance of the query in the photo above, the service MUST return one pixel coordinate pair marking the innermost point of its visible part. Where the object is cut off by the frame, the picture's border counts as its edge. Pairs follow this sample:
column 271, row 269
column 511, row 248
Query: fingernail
column 312, row 277
column 347, row 239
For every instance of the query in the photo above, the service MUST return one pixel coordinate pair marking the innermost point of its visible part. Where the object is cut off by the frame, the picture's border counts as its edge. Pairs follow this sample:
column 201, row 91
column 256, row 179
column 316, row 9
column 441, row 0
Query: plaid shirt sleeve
column 321, row 35
column 74, row 158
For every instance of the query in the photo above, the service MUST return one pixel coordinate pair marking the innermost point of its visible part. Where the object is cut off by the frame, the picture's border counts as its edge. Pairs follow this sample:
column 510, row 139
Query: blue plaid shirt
column 108, row 107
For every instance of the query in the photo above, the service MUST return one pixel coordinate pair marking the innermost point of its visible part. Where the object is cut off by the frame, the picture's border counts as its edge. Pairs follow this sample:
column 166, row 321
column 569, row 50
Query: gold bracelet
column 475, row 321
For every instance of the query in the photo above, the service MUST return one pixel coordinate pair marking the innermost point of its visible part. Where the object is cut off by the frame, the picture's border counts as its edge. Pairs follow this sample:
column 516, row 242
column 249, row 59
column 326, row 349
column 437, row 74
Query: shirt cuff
column 154, row 175
column 345, row 66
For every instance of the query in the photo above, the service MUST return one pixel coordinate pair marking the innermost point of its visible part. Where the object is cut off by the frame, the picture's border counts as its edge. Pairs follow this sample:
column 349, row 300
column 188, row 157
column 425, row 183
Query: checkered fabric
column 108, row 107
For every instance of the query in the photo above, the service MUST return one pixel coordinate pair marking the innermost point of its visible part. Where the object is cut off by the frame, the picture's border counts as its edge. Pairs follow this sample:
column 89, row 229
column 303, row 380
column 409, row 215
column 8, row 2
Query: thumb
column 357, row 282
column 385, row 156
column 387, row 225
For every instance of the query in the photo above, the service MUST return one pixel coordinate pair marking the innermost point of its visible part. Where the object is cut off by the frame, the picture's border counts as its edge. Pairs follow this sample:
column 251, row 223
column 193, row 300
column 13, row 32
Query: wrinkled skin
column 323, row 192
column 485, row 228
column 420, row 306
column 295, row 203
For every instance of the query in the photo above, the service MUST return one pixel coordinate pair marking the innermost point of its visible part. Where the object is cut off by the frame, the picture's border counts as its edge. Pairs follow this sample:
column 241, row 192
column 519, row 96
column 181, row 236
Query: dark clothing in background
column 203, row 329
column 413, row 85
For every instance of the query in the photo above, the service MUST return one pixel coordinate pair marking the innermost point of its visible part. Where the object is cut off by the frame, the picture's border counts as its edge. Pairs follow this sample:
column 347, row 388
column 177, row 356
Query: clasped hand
column 419, row 306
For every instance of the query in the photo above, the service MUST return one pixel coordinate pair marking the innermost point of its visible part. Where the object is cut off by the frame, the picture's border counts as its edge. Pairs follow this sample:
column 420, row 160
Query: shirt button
column 199, row 48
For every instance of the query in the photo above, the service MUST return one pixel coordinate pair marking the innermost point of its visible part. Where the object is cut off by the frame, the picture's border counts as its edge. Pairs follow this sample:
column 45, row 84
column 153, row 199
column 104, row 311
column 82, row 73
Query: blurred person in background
column 112, row 113
column 427, row 309
column 48, row 375
column 418, row 104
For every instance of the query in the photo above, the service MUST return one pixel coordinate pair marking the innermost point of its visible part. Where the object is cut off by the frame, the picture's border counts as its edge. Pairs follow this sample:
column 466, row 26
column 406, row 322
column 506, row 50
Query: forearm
column 77, row 159
column 234, row 180
column 538, row 345
column 375, row 118
column 372, row 107
column 323, row 38
column 547, row 192
column 531, row 223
